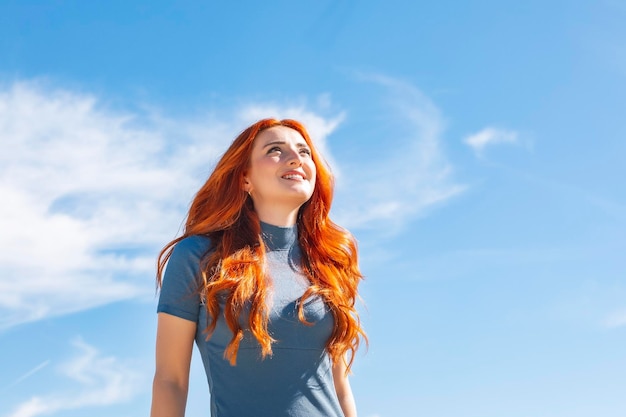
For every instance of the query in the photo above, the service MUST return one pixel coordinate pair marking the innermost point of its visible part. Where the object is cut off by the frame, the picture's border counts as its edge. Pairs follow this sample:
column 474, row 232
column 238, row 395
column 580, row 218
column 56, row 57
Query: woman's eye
column 305, row 151
column 273, row 149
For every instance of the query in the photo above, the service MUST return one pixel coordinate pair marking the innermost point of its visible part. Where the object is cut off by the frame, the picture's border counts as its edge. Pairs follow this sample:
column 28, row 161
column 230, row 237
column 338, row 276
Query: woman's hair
column 235, row 264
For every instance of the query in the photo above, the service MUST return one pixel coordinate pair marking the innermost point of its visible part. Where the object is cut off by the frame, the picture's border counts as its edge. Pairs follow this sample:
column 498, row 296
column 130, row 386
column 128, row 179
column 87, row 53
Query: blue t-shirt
column 297, row 379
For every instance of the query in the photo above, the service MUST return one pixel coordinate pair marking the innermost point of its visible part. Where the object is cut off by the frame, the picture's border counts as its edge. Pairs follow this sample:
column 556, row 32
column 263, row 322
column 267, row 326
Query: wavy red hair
column 223, row 211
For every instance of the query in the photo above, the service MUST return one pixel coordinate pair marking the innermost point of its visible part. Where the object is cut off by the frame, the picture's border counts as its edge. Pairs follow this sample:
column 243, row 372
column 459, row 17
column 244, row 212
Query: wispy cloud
column 91, row 193
column 414, row 176
column 490, row 136
column 102, row 381
column 615, row 319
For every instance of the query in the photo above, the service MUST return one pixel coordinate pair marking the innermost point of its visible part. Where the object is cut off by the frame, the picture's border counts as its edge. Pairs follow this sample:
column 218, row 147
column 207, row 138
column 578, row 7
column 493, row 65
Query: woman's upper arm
column 174, row 346
column 179, row 304
column 173, row 357
column 343, row 388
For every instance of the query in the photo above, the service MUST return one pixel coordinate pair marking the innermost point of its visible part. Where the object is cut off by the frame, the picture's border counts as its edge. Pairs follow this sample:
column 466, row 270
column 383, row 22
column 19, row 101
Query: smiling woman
column 264, row 282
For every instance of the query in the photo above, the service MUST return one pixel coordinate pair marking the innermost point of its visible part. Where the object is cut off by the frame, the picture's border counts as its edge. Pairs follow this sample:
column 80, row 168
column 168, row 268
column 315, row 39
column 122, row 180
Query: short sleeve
column 179, row 292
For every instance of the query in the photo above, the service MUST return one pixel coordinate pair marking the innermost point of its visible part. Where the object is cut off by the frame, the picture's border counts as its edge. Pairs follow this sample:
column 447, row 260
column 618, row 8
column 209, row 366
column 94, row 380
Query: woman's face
column 281, row 172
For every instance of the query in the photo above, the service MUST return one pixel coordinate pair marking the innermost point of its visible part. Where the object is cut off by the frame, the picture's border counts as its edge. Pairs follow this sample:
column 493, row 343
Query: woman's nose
column 294, row 158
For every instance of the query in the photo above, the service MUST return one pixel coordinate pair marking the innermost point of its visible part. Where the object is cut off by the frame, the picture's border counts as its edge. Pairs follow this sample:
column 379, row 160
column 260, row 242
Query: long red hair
column 223, row 211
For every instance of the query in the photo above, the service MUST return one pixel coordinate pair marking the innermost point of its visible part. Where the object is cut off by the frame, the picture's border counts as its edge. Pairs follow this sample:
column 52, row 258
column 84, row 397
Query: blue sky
column 479, row 149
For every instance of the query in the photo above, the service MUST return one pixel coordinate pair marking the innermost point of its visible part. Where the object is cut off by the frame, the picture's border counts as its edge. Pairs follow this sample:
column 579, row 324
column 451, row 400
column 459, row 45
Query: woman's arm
column 344, row 391
column 174, row 344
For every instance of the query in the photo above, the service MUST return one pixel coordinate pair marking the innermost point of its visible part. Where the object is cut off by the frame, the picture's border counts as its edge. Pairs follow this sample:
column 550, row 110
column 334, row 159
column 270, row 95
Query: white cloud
column 490, row 136
column 103, row 381
column 410, row 179
column 80, row 184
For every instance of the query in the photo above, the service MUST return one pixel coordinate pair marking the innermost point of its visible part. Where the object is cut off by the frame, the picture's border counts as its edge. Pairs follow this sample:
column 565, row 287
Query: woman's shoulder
column 194, row 242
column 186, row 257
column 195, row 246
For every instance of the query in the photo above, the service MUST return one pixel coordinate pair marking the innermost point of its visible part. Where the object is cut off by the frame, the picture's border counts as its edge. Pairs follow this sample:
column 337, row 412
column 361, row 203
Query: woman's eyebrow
column 282, row 142
column 274, row 142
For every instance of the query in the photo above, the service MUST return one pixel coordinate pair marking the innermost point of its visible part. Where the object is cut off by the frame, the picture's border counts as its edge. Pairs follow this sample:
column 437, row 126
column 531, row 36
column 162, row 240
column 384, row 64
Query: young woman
column 264, row 282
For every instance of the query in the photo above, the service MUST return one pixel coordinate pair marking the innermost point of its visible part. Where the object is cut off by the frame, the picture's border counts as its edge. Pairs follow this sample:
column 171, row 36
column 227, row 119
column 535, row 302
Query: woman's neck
column 277, row 217
column 278, row 237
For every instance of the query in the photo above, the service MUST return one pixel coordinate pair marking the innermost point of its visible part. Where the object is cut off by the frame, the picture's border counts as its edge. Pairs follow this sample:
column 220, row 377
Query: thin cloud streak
column 30, row 373
column 103, row 380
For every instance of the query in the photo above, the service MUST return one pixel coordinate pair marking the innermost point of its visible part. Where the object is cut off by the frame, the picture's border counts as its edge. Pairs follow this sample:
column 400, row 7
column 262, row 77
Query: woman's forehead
column 279, row 133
